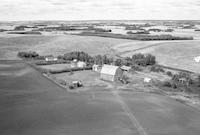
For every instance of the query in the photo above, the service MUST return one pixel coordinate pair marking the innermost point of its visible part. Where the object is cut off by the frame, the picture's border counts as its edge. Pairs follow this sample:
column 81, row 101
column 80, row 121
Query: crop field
column 176, row 54
column 135, row 45
column 31, row 104
column 56, row 45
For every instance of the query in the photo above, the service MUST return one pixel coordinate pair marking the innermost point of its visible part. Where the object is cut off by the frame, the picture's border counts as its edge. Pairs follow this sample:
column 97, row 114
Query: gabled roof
column 81, row 62
column 109, row 69
column 125, row 67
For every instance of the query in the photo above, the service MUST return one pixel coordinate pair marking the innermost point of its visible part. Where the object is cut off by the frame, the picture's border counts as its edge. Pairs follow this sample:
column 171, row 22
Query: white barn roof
column 109, row 69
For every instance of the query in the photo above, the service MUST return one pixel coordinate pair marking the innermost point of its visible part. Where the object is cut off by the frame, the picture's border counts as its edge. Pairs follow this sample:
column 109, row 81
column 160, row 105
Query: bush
column 124, row 79
column 71, row 86
column 157, row 69
column 136, row 68
column 81, row 56
column 29, row 54
column 170, row 84
column 167, row 84
column 169, row 73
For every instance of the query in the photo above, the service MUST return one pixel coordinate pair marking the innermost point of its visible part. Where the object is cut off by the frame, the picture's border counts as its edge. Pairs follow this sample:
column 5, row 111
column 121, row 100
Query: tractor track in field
column 130, row 114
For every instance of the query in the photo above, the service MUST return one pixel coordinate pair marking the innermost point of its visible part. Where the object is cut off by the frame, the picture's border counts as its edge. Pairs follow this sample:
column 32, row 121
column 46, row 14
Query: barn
column 111, row 73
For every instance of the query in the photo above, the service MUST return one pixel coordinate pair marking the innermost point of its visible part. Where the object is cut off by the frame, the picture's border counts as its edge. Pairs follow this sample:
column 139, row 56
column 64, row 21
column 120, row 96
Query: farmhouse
column 74, row 63
column 111, row 73
column 51, row 58
column 96, row 68
column 81, row 64
column 125, row 68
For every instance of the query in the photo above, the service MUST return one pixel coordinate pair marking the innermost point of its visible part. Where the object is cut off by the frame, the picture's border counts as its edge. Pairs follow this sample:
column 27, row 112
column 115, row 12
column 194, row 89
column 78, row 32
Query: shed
column 125, row 68
column 96, row 68
column 197, row 59
column 111, row 73
column 81, row 64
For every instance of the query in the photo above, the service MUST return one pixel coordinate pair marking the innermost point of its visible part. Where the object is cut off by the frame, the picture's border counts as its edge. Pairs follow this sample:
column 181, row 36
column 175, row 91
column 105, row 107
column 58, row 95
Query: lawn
column 88, row 78
column 55, row 67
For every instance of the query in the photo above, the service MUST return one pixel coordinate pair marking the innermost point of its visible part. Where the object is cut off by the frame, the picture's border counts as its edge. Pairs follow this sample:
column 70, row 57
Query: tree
column 118, row 62
column 199, row 80
column 144, row 60
column 29, row 54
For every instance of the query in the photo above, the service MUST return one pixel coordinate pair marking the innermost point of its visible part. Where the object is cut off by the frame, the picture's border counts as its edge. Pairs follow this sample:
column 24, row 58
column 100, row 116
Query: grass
column 31, row 104
column 56, row 66
column 88, row 78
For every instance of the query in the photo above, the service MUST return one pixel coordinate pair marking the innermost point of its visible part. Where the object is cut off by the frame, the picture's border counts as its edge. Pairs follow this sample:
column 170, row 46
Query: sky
column 20, row 10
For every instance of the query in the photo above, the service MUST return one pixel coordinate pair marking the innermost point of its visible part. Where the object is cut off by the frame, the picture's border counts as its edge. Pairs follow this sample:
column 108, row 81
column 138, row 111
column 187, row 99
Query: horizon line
column 102, row 20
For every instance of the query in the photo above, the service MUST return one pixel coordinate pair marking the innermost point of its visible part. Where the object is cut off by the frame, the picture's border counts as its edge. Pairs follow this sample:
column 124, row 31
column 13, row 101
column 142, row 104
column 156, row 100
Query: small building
column 96, row 68
column 111, row 73
column 51, row 58
column 74, row 63
column 147, row 79
column 81, row 64
column 197, row 59
column 125, row 68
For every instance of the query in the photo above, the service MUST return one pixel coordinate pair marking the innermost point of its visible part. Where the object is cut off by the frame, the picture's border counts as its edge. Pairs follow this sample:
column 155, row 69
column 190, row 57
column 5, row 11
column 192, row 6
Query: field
column 177, row 54
column 55, row 45
column 31, row 104
column 56, row 67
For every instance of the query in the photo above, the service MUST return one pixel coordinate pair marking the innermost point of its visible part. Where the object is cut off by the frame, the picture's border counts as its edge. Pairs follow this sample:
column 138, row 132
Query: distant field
column 174, row 54
column 56, row 45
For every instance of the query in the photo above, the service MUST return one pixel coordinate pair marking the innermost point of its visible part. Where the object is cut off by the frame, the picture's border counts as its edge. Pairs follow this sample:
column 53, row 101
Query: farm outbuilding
column 197, row 59
column 111, row 73
column 51, row 58
column 96, row 68
column 125, row 68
